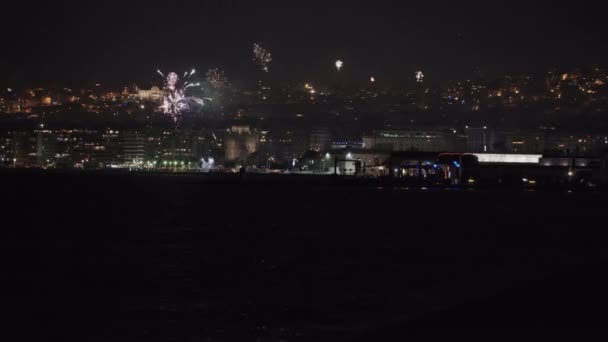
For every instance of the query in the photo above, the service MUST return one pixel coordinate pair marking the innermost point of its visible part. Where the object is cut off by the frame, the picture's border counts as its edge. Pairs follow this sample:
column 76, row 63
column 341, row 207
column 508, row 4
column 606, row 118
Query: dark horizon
column 123, row 43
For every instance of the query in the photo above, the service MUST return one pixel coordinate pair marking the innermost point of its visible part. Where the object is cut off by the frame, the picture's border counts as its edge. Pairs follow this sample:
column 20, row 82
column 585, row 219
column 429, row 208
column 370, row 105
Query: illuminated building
column 47, row 101
column 240, row 143
column 422, row 141
column 480, row 139
column 520, row 142
column 46, row 147
column 133, row 145
column 154, row 94
column 574, row 162
column 320, row 140
column 21, row 148
column 489, row 158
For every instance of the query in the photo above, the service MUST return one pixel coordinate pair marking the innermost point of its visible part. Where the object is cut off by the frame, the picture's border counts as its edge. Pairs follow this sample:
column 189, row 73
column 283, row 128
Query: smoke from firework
column 262, row 57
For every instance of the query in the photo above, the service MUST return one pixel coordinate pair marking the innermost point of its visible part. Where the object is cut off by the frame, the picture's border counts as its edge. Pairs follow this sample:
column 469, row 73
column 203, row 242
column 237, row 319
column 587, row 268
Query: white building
column 154, row 94
column 422, row 141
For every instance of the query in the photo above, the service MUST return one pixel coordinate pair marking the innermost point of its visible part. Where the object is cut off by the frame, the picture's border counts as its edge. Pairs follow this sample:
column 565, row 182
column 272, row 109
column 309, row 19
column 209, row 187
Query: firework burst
column 419, row 77
column 262, row 57
column 339, row 65
column 174, row 104
column 176, row 101
column 217, row 79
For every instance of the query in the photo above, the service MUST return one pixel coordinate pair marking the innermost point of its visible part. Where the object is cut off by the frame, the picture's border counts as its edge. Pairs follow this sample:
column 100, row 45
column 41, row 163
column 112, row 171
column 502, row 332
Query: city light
column 491, row 158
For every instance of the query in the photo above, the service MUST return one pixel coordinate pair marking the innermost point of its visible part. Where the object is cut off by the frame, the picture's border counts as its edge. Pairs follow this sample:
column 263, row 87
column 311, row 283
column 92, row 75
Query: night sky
column 126, row 41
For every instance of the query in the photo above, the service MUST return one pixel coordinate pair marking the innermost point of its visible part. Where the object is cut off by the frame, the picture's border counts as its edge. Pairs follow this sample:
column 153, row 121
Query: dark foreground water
column 135, row 258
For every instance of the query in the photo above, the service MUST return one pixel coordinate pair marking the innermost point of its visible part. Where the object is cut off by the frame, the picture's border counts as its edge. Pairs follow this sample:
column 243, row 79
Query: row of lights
column 182, row 163
column 349, row 156
column 174, row 163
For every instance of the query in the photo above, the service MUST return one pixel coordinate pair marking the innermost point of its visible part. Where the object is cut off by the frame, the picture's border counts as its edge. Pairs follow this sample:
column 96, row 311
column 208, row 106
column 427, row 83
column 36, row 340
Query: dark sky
column 125, row 41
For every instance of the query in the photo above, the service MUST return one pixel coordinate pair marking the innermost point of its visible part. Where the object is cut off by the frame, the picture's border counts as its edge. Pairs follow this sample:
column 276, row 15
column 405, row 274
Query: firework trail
column 199, row 101
column 262, row 57
column 192, row 85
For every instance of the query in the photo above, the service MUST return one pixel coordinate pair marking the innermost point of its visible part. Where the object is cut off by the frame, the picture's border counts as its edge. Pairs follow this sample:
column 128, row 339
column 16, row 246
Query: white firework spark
column 192, row 85
column 175, row 101
column 339, row 64
column 217, row 79
column 198, row 101
column 262, row 57
column 419, row 77
column 172, row 80
column 174, row 104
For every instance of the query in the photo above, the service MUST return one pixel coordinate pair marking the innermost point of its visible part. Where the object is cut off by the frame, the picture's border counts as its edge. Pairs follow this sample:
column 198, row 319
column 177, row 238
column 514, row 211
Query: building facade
column 422, row 141
column 239, row 143
column 320, row 140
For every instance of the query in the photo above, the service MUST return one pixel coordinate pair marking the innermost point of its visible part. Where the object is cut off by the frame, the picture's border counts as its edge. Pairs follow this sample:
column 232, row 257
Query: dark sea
column 127, row 257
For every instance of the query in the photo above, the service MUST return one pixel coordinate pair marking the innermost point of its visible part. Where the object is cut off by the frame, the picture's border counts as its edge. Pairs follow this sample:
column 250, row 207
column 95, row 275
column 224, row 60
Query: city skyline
column 303, row 170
